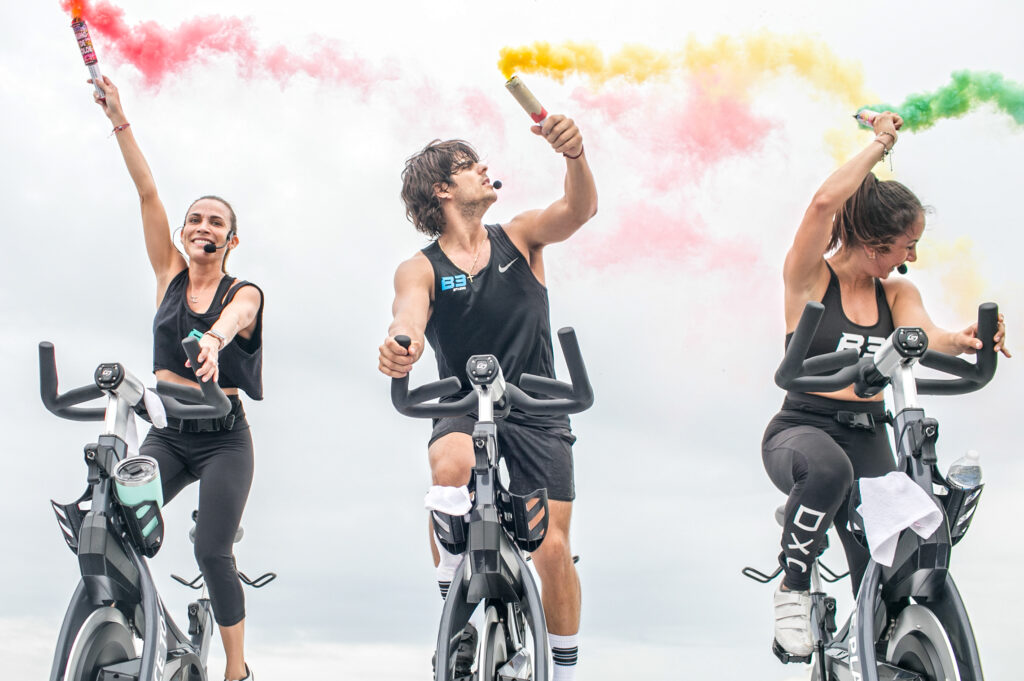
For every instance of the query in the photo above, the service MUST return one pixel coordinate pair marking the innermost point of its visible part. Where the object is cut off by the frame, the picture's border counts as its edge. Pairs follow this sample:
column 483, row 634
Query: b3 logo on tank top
column 456, row 283
column 854, row 341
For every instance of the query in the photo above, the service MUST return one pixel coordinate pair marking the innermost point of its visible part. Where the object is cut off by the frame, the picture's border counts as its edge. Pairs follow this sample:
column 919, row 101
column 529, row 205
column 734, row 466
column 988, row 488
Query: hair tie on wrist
column 119, row 128
column 576, row 156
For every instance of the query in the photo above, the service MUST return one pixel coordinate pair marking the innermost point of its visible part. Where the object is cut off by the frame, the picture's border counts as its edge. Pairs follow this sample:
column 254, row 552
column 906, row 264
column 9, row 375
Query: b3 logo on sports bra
column 854, row 341
column 456, row 283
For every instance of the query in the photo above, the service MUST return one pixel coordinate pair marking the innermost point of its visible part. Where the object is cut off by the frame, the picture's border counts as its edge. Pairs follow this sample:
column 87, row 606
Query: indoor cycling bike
column 116, row 601
column 501, row 526
column 909, row 622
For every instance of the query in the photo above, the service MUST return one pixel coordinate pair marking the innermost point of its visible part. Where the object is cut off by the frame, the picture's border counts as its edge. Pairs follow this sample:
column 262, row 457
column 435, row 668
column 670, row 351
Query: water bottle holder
column 960, row 505
column 450, row 530
column 525, row 518
column 145, row 526
column 69, row 519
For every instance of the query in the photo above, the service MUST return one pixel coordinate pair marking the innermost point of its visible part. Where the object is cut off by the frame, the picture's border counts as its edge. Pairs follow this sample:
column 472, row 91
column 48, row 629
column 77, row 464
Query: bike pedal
column 519, row 668
column 786, row 657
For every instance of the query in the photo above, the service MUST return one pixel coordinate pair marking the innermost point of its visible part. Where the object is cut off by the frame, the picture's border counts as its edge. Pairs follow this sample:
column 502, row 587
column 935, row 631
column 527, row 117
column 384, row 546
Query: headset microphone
column 496, row 184
column 902, row 268
column 210, row 248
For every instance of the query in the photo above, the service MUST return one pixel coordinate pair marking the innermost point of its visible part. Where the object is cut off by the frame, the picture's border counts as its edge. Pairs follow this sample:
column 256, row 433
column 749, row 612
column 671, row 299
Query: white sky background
column 673, row 499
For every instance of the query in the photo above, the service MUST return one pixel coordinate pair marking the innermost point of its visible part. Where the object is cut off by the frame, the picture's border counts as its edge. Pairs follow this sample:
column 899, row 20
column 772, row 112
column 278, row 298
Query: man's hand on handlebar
column 395, row 361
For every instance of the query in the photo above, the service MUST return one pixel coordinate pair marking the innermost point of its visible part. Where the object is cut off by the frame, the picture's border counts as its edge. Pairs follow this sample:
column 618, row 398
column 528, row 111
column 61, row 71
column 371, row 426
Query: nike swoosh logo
column 503, row 268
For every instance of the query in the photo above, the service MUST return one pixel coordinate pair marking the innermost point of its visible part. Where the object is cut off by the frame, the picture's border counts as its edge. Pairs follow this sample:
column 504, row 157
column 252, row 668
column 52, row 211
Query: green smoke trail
column 966, row 91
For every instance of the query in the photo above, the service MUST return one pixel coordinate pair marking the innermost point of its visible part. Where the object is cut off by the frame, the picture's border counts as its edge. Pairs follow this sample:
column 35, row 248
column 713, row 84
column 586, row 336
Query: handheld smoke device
column 88, row 53
column 526, row 99
column 865, row 118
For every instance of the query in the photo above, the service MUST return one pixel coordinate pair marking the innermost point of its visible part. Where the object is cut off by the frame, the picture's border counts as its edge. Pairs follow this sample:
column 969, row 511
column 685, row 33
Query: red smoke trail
column 158, row 52
column 674, row 144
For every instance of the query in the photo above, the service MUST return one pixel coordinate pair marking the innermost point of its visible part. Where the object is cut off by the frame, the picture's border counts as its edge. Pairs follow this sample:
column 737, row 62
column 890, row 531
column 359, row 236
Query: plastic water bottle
column 965, row 472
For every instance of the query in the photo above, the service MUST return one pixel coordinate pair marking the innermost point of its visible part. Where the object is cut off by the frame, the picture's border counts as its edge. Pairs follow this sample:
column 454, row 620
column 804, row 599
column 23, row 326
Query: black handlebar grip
column 971, row 377
column 799, row 344
column 403, row 340
column 988, row 325
column 211, row 402
column 63, row 405
column 583, row 391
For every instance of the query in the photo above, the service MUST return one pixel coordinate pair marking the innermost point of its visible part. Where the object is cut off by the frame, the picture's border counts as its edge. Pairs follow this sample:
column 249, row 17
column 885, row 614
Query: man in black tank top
column 480, row 289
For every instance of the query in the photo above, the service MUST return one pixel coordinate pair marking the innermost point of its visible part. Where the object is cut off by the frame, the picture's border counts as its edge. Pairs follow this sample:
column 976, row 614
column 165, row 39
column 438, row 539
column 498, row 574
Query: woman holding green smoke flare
column 195, row 295
column 818, row 444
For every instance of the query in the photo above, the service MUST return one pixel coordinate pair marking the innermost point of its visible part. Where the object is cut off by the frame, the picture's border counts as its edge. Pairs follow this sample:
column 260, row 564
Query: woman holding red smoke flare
column 195, row 294
column 818, row 444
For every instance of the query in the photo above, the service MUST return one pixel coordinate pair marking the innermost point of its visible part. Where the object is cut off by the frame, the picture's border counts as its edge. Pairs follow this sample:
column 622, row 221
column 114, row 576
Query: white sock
column 565, row 651
column 446, row 568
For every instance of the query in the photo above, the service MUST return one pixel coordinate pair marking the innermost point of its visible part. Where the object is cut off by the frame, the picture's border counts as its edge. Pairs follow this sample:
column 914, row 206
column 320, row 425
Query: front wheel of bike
column 103, row 639
column 919, row 643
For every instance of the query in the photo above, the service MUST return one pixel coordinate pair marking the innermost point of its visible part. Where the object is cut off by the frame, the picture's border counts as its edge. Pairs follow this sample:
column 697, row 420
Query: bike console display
column 910, row 341
column 109, row 376
column 482, row 369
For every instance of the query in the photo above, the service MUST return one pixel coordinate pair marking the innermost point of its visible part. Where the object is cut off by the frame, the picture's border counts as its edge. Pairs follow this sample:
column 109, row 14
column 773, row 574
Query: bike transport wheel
column 920, row 644
column 104, row 639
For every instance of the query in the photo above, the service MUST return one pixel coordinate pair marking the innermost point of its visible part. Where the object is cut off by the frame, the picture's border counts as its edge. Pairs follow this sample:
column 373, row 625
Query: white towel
column 891, row 504
column 451, row 500
column 157, row 416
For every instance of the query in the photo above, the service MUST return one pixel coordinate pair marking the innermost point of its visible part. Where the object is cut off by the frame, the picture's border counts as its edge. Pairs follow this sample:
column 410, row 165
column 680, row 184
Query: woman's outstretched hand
column 110, row 102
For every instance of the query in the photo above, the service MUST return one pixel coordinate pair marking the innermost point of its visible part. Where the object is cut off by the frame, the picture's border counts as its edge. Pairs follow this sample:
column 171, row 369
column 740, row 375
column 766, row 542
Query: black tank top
column 503, row 312
column 241, row 360
column 836, row 332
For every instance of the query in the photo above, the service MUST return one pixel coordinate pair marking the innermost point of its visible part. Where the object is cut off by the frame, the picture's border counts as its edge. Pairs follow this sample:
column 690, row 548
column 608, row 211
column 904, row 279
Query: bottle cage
column 145, row 526
column 960, row 504
column 69, row 518
column 522, row 518
column 451, row 531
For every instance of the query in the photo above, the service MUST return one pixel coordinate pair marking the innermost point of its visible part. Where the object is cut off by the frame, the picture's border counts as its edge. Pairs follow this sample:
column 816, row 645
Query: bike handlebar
column 798, row 373
column 64, row 405
column 567, row 398
column 209, row 401
column 970, row 377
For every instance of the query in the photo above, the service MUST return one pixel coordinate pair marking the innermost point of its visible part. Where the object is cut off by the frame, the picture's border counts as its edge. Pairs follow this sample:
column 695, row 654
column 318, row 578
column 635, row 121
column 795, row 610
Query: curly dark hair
column 432, row 166
column 876, row 214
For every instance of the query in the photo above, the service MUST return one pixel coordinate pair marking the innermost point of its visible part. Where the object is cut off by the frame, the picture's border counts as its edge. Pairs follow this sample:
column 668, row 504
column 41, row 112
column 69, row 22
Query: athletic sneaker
column 793, row 622
column 465, row 655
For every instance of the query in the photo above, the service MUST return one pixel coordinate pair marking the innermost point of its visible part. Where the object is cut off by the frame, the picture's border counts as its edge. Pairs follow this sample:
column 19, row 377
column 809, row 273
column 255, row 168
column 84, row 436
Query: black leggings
column 814, row 459
column 223, row 463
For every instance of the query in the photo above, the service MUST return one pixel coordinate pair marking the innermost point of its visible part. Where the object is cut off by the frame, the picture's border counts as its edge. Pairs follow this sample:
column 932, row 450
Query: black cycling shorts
column 537, row 456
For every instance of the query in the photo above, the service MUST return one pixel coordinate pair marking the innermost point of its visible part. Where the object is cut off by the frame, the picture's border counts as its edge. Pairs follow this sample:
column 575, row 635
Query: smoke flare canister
column 526, row 99
column 88, row 53
column 865, row 118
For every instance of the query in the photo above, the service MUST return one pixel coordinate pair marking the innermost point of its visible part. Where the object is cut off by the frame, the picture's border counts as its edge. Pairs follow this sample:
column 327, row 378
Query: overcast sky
column 674, row 288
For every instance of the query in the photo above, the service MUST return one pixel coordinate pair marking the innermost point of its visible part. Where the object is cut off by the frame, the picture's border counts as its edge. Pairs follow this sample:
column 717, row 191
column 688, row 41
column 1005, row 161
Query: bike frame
column 920, row 570
column 492, row 569
column 116, row 575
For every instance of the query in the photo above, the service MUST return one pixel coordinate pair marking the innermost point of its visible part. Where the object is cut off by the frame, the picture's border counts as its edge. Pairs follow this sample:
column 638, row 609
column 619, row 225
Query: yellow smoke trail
column 731, row 63
column 962, row 283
